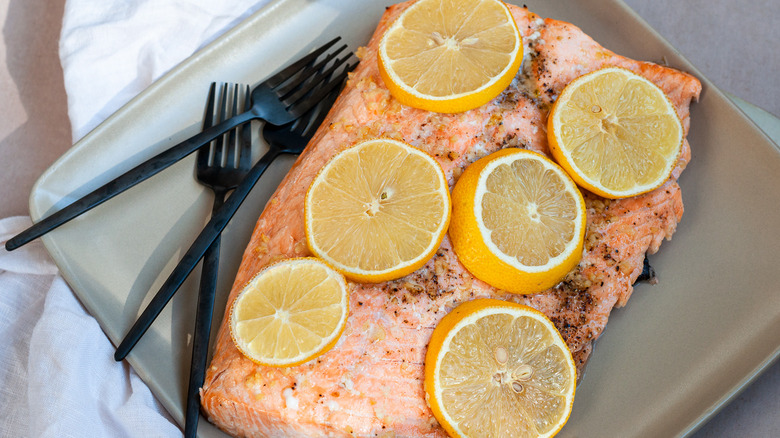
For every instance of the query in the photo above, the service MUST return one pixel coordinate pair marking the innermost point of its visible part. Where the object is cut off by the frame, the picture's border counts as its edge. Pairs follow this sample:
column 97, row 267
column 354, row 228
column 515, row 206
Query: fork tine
column 220, row 141
column 322, row 110
column 208, row 121
column 314, row 117
column 231, row 145
column 306, row 74
column 314, row 81
column 245, row 141
column 281, row 77
column 293, row 137
column 208, row 117
column 301, row 106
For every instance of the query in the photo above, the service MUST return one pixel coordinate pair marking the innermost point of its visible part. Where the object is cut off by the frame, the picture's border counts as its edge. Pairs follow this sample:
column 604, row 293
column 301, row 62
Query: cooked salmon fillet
column 371, row 382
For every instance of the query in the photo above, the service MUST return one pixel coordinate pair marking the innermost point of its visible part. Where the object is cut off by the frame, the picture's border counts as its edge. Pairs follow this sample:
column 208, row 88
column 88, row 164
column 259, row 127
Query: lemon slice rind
column 470, row 314
column 337, row 304
column 514, row 262
column 670, row 142
column 434, row 234
column 456, row 101
column 474, row 244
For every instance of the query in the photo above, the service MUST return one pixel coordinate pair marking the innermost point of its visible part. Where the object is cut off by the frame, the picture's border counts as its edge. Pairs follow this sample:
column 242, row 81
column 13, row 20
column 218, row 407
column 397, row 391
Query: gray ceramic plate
column 665, row 363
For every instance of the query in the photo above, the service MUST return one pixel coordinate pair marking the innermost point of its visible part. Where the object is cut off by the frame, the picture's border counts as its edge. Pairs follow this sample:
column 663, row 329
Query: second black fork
column 221, row 166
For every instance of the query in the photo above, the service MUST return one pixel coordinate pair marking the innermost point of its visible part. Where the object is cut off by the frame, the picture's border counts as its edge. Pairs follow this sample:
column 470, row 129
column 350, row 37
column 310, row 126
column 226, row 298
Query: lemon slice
column 518, row 221
column 499, row 369
column 377, row 211
column 616, row 133
column 289, row 313
column 450, row 55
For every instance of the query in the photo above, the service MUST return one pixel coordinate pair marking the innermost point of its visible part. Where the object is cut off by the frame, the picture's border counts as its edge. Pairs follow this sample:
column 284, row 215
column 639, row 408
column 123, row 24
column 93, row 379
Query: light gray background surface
column 733, row 43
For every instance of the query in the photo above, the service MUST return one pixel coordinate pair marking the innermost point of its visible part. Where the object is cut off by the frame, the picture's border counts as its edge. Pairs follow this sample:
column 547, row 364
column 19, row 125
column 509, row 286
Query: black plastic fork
column 217, row 223
column 220, row 166
column 280, row 99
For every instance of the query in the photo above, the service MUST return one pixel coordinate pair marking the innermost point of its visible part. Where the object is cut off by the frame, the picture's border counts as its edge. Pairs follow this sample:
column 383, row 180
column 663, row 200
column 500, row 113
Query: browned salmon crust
column 371, row 383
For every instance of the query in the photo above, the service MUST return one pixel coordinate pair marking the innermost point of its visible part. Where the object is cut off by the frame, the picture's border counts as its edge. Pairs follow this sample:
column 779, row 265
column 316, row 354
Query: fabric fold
column 58, row 376
column 112, row 50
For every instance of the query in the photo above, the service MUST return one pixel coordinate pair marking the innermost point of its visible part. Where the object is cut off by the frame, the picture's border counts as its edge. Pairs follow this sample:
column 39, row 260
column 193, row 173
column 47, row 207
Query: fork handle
column 200, row 336
column 207, row 236
column 128, row 179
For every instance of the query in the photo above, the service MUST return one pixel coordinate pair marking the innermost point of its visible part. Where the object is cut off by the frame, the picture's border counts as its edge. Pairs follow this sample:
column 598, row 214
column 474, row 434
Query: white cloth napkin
column 57, row 373
column 111, row 50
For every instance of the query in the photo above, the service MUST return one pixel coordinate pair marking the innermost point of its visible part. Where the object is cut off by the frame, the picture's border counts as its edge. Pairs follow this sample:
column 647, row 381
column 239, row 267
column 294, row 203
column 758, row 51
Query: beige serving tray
column 666, row 362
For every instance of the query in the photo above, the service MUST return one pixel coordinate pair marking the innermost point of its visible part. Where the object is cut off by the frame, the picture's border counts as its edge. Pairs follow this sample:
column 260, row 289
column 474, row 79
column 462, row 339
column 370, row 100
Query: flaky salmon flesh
column 371, row 382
